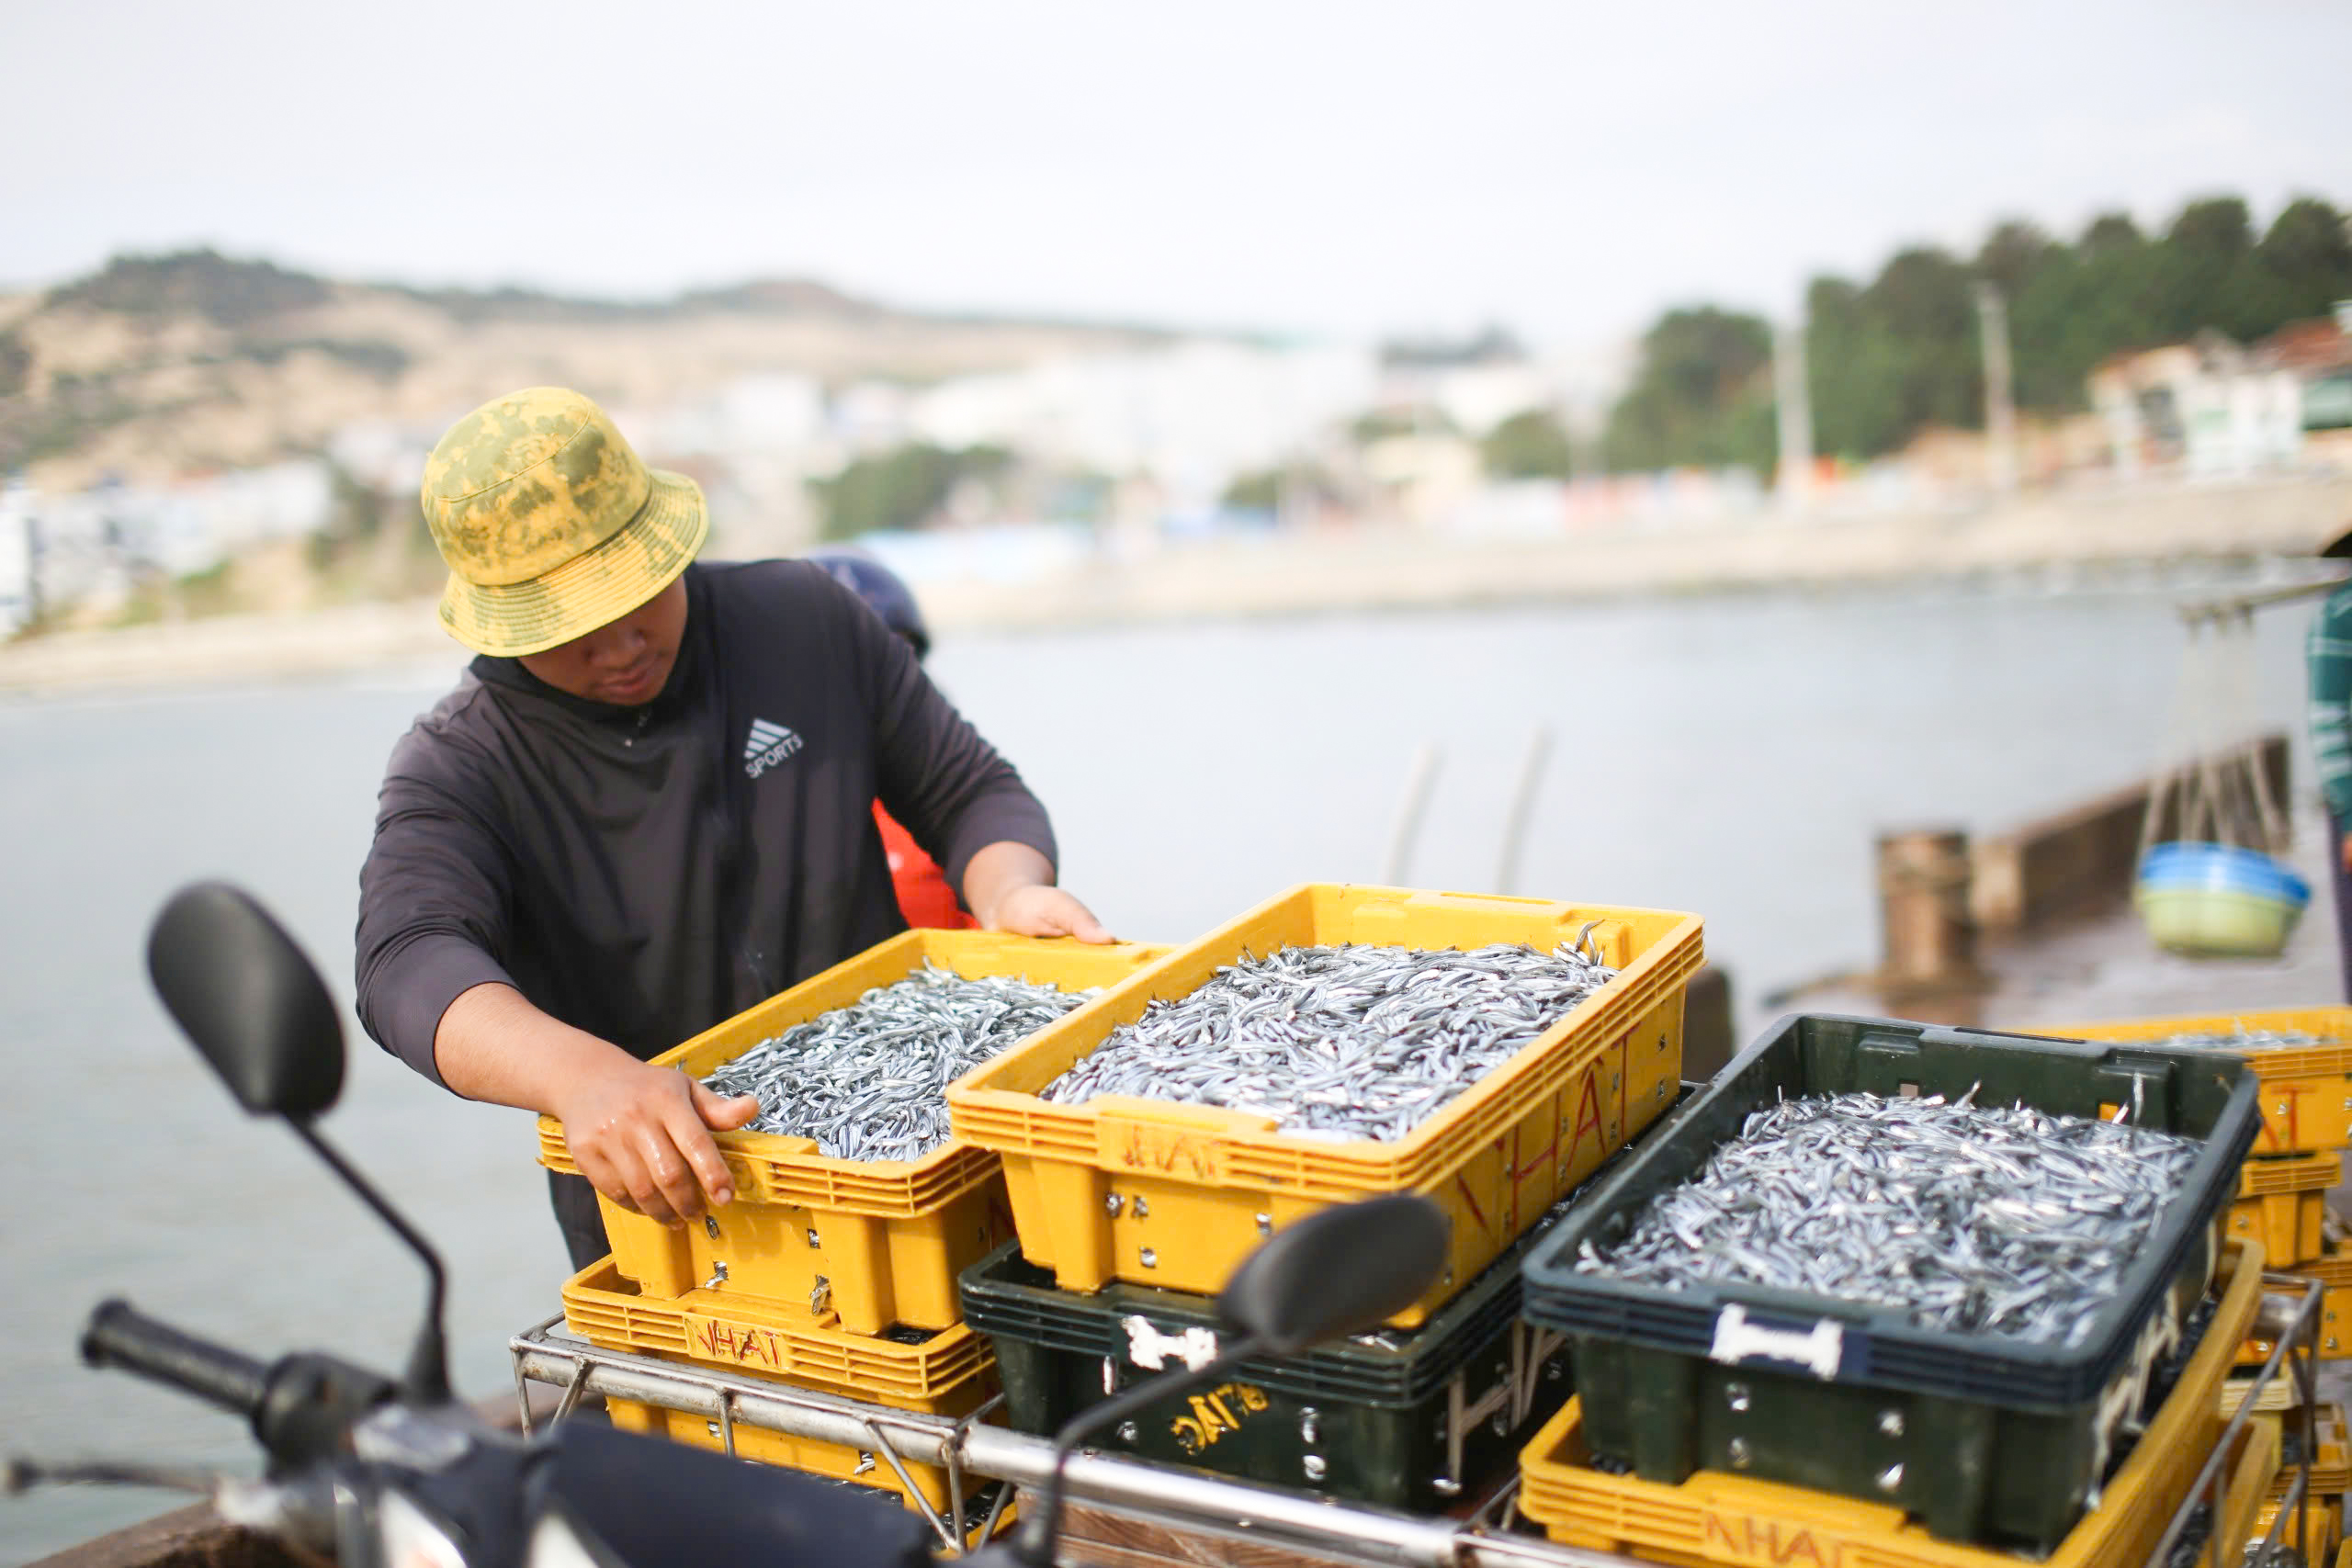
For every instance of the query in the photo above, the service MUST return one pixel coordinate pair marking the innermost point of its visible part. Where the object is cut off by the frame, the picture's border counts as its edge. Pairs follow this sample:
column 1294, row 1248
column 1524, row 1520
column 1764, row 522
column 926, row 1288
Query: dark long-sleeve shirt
column 645, row 873
column 2328, row 652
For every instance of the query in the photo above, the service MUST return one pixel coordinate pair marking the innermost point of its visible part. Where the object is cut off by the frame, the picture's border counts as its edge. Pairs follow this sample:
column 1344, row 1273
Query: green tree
column 2014, row 254
column 16, row 364
column 1381, row 425
column 2307, row 256
column 1260, row 490
column 1702, row 396
column 1528, row 446
column 902, row 488
column 202, row 282
column 2208, row 277
column 2112, row 232
column 1887, row 360
column 1891, row 359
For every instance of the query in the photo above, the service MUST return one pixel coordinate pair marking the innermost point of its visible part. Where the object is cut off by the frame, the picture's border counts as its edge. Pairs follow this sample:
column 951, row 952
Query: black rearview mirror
column 1338, row 1271
column 254, row 1005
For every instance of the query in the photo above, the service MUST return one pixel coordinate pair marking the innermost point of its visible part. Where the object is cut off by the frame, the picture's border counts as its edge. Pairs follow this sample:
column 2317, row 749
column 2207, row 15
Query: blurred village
column 189, row 435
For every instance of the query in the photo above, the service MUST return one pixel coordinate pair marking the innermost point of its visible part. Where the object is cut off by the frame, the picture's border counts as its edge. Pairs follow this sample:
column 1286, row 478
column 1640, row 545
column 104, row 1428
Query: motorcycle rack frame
column 1240, row 1512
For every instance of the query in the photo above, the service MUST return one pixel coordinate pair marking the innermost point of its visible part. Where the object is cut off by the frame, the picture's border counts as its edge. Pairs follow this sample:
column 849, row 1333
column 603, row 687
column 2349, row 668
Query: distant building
column 18, row 543
column 89, row 550
column 2319, row 355
column 1191, row 415
column 2212, row 409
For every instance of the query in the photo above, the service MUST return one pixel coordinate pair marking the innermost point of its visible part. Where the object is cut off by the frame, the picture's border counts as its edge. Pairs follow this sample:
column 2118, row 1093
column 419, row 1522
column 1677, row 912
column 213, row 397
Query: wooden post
column 1930, row 969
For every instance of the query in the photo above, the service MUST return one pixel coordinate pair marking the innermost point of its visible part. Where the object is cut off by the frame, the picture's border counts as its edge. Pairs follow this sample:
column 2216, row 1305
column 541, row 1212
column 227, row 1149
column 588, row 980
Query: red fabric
column 924, row 896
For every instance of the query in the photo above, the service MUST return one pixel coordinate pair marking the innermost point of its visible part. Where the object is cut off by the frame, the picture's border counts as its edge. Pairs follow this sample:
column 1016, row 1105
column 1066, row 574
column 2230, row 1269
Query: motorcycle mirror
column 256, row 1008
column 1340, row 1270
column 254, row 1005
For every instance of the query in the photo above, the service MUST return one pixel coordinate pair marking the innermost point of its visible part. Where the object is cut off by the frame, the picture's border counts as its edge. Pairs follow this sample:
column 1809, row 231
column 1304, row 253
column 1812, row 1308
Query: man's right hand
column 641, row 1134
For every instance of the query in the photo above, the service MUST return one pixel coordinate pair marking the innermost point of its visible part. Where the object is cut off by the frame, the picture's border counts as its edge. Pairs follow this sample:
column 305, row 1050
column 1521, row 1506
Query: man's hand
column 642, row 1135
column 1010, row 887
column 1047, row 911
column 2347, row 851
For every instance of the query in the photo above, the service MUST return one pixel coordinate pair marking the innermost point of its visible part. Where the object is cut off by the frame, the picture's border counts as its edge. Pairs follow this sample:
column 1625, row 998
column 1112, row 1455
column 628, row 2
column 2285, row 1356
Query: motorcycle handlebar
column 117, row 1336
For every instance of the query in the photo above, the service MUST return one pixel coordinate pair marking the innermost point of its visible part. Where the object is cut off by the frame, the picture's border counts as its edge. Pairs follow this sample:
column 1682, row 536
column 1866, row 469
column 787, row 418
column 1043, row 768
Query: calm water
column 1730, row 755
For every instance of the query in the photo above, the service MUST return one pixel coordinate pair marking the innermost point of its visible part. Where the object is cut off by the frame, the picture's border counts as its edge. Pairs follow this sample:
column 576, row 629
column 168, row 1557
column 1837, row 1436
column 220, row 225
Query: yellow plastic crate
column 841, row 1462
column 2251, row 1470
column 866, row 1242
column 2286, row 1223
column 1715, row 1517
column 950, row 1372
column 2322, row 1522
column 711, row 1329
column 2282, row 1202
column 2331, row 1457
column 2307, row 1089
column 2333, row 1269
column 2336, row 1306
column 1175, row 1195
column 2315, row 1172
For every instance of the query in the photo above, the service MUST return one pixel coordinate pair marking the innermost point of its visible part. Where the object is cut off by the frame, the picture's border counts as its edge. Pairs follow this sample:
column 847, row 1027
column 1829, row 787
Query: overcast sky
column 1347, row 169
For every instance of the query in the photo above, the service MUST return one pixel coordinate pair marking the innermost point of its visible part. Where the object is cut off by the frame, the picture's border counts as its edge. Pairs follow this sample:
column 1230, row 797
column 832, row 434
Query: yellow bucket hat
column 551, row 524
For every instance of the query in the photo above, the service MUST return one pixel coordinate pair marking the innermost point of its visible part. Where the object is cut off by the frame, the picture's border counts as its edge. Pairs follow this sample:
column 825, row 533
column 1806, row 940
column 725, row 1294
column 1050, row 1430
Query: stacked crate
column 1410, row 1419
column 833, row 1275
column 2306, row 1100
column 1721, row 1517
column 1130, row 1214
column 1738, row 1423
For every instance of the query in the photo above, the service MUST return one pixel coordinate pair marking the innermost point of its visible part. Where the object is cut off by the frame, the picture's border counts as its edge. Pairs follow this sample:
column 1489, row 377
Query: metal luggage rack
column 1262, row 1517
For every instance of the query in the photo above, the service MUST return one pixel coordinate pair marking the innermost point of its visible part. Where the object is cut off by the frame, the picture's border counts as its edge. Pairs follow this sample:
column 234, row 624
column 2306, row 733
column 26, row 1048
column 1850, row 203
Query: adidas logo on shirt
column 767, row 745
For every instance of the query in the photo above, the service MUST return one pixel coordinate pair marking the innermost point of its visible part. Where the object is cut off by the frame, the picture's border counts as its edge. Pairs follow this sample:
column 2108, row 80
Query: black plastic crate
column 1408, row 1420
column 1983, row 1437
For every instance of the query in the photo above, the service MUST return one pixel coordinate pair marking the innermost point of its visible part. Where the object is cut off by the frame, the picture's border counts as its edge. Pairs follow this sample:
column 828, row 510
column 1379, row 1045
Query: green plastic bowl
column 2213, row 923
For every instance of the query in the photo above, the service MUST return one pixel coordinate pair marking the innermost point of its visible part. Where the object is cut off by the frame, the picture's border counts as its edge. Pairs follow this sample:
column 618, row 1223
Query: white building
column 16, row 555
column 1191, row 415
column 2208, row 407
column 91, row 549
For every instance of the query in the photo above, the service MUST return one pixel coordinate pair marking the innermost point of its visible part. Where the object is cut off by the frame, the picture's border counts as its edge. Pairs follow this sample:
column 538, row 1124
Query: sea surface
column 1728, row 754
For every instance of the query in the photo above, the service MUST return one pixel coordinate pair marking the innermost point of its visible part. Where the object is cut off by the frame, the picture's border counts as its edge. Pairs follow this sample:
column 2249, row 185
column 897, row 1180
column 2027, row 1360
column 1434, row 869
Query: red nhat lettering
column 1588, row 1115
column 1715, row 1531
column 1751, row 1539
column 1799, row 1547
column 1470, row 1202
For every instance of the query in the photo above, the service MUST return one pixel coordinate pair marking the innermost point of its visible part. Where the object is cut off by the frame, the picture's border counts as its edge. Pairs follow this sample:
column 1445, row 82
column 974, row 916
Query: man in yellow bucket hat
column 649, row 805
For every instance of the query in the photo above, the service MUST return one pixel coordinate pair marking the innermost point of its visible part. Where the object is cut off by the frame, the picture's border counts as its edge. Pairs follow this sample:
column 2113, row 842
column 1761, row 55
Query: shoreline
column 2091, row 535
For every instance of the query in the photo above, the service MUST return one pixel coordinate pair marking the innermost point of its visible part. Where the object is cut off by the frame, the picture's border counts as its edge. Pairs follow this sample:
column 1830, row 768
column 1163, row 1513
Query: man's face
column 624, row 662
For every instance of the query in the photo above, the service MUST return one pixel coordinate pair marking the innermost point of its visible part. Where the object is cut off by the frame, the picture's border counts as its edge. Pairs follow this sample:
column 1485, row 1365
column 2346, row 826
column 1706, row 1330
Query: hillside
column 159, row 365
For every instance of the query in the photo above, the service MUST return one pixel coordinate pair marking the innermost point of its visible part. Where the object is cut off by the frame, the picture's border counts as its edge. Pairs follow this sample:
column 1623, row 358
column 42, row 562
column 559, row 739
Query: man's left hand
column 1043, row 910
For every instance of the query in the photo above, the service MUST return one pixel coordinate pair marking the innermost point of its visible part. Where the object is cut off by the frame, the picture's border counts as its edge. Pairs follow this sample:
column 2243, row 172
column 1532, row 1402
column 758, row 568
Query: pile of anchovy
column 1970, row 1219
column 2251, row 1040
column 1347, row 1042
column 868, row 1081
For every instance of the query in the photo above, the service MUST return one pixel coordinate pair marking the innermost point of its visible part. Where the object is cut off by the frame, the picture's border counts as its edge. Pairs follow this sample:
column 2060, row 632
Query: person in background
column 649, row 805
column 925, row 896
column 2327, row 653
